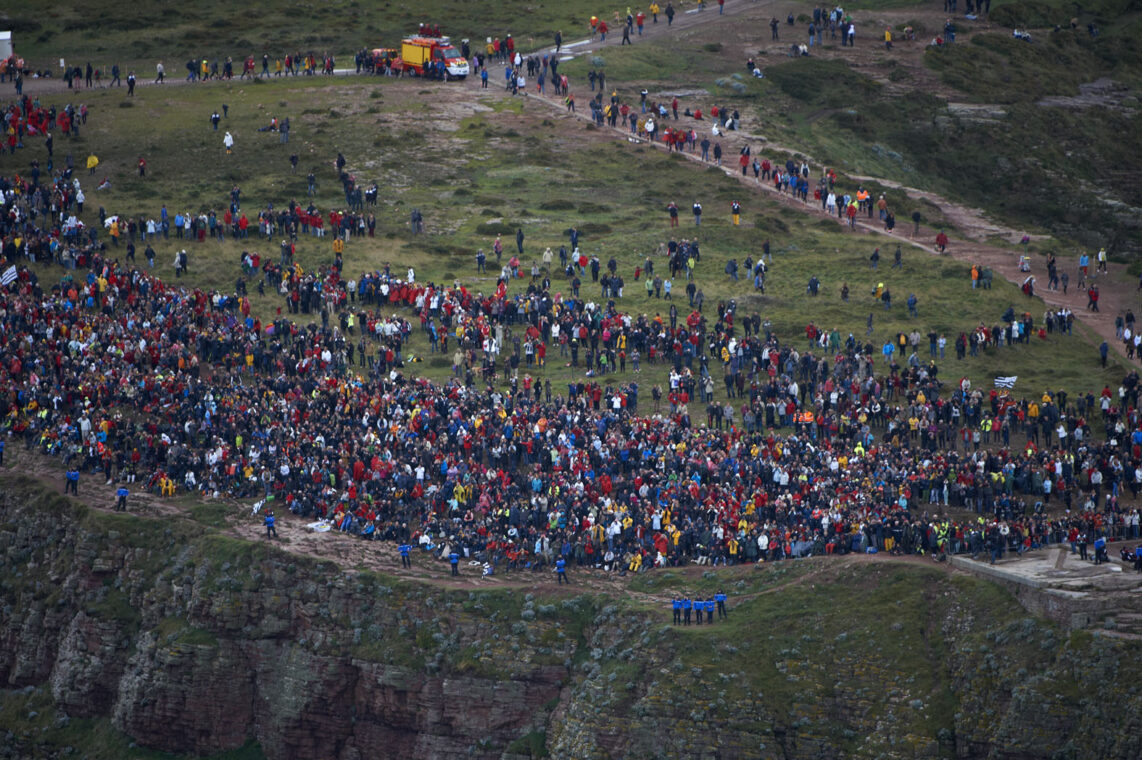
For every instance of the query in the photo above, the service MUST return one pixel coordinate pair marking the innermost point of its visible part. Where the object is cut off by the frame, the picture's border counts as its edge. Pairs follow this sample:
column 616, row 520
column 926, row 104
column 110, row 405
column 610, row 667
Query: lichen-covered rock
column 189, row 641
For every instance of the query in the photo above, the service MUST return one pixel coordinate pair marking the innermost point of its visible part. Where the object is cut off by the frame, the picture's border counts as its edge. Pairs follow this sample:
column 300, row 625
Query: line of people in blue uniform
column 683, row 608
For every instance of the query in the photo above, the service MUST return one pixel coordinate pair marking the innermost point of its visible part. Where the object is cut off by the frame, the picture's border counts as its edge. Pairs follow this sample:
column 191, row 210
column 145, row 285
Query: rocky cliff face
column 190, row 641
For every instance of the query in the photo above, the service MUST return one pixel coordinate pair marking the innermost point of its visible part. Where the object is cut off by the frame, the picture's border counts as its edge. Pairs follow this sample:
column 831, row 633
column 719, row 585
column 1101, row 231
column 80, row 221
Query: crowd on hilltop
column 831, row 445
column 119, row 373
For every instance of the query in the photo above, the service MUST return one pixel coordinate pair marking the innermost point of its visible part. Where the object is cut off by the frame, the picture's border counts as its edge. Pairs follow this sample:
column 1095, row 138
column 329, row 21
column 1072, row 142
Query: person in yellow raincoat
column 92, row 162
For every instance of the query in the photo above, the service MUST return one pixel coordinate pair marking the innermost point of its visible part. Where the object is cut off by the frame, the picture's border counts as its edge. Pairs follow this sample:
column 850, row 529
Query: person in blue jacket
column 676, row 605
column 709, row 611
column 720, row 598
column 2, row 442
column 71, row 482
column 405, row 560
column 561, row 570
column 686, row 611
column 121, row 503
column 1100, row 555
column 698, row 605
column 454, row 558
column 271, row 531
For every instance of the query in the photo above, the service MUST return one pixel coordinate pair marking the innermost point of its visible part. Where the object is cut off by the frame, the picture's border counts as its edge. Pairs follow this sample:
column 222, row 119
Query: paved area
column 1057, row 568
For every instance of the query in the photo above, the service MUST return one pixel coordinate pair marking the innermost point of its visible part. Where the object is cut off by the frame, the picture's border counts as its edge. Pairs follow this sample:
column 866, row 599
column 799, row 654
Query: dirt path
column 748, row 20
column 1118, row 289
column 352, row 554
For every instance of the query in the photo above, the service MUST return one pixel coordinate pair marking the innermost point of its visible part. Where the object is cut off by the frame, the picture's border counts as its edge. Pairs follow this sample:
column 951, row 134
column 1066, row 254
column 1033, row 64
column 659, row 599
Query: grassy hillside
column 100, row 31
column 151, row 626
column 1005, row 125
column 481, row 165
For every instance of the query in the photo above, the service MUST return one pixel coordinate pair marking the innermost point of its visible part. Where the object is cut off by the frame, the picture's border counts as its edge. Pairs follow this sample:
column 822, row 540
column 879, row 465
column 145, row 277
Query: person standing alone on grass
column 271, row 531
column 454, row 560
column 561, row 570
column 405, row 560
column 121, row 502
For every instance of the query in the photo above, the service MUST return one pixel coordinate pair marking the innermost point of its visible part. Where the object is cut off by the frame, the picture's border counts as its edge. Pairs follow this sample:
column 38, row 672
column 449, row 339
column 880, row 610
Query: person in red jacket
column 941, row 242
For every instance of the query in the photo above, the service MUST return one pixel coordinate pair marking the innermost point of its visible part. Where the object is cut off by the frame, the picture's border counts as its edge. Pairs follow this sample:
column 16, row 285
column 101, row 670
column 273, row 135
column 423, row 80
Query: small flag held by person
column 1006, row 382
column 9, row 276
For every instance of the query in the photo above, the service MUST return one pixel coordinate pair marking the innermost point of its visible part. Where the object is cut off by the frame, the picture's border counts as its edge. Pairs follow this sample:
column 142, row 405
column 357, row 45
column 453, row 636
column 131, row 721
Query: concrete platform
column 1056, row 568
column 1075, row 593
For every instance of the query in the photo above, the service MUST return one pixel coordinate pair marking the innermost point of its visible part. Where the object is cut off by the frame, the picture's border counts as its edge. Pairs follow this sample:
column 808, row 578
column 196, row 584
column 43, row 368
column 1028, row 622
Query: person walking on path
column 941, row 242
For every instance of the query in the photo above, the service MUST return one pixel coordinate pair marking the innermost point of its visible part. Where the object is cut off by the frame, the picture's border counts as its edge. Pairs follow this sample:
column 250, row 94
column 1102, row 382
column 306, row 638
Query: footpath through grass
column 478, row 165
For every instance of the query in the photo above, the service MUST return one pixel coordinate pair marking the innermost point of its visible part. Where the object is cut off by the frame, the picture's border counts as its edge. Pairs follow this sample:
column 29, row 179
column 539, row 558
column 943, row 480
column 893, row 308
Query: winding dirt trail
column 744, row 25
column 975, row 230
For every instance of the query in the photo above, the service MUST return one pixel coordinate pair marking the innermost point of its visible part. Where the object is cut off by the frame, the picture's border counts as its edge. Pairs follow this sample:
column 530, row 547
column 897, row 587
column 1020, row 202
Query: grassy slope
column 99, row 30
column 1043, row 168
column 516, row 164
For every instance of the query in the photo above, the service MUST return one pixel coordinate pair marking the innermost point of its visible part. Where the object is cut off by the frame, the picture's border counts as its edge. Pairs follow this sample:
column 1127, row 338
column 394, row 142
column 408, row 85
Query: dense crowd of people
column 827, row 447
column 119, row 373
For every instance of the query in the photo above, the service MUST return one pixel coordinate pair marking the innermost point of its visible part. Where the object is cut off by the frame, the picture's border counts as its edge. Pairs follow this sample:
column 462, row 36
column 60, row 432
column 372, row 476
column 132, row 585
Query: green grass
column 531, row 744
column 98, row 31
column 518, row 167
column 736, row 581
column 212, row 514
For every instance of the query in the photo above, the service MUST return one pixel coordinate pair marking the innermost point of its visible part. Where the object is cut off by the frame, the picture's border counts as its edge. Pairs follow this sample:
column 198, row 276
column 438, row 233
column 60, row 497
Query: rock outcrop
column 190, row 641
